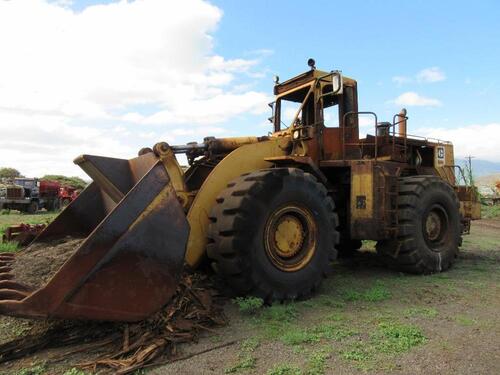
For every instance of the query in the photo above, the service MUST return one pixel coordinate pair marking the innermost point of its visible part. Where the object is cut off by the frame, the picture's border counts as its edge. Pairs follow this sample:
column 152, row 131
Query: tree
column 9, row 173
column 73, row 181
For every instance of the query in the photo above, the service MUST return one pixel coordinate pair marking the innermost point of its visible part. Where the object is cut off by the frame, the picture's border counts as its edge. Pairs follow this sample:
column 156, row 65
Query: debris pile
column 196, row 307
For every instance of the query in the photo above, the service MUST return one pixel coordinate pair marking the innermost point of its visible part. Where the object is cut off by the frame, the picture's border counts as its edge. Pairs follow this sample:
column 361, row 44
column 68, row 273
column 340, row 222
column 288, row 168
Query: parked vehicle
column 67, row 194
column 270, row 212
column 30, row 195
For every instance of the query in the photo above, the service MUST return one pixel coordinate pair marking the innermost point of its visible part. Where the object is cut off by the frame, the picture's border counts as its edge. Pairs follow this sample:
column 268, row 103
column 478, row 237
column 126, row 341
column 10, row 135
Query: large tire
column 32, row 208
column 273, row 234
column 429, row 228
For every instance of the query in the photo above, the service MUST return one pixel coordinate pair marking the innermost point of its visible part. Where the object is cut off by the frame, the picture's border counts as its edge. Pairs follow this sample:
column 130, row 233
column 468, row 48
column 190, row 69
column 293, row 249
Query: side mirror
column 271, row 119
column 337, row 83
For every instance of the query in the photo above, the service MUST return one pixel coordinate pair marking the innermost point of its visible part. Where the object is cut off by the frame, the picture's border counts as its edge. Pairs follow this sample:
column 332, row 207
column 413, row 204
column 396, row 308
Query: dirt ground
column 364, row 319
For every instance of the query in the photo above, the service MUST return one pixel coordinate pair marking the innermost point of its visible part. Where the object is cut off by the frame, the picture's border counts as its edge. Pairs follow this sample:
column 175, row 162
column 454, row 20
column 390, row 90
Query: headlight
column 296, row 134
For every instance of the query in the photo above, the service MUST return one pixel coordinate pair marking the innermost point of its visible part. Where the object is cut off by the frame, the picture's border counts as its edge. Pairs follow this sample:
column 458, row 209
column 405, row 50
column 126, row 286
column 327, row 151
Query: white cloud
column 68, row 78
column 479, row 140
column 427, row 75
column 433, row 74
column 413, row 99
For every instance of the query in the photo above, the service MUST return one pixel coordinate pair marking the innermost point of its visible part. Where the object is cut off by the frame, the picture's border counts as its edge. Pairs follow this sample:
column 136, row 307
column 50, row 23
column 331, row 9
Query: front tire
column 273, row 234
column 429, row 229
column 32, row 208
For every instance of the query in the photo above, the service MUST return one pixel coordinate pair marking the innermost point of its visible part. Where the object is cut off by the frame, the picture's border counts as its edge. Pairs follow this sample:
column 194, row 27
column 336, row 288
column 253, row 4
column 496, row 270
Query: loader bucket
column 129, row 264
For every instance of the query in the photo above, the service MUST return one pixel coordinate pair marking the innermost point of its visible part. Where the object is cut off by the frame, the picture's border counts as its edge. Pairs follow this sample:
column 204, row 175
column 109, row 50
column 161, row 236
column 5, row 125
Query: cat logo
column 440, row 156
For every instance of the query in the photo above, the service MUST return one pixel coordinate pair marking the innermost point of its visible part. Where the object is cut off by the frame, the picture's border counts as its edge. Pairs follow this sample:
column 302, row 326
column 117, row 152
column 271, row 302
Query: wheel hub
column 289, row 236
column 433, row 226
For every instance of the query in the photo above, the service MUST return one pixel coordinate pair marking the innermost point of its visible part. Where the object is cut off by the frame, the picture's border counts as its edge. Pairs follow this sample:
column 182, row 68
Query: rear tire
column 429, row 229
column 273, row 234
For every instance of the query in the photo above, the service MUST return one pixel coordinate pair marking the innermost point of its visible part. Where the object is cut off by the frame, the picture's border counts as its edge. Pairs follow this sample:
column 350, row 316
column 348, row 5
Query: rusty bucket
column 131, row 259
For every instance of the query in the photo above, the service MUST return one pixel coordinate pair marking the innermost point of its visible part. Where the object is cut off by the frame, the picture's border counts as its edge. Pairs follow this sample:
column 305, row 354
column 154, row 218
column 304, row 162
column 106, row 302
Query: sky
column 110, row 77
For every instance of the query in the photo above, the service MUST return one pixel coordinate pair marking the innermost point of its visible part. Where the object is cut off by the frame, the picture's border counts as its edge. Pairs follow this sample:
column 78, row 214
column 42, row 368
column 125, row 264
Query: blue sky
column 112, row 72
column 373, row 41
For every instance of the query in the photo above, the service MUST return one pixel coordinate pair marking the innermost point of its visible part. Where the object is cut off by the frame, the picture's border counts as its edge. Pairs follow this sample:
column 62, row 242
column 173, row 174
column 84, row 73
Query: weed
column 465, row 320
column 333, row 331
column 33, row 370
column 246, row 360
column 316, row 362
column 284, row 369
column 299, row 349
column 8, row 247
column 248, row 305
column 426, row 312
column 361, row 353
column 245, row 363
column 14, row 327
column 250, row 344
column 490, row 212
column 397, row 338
column 299, row 336
column 276, row 319
column 375, row 294
column 75, row 371
column 330, row 331
column 388, row 339
column 335, row 317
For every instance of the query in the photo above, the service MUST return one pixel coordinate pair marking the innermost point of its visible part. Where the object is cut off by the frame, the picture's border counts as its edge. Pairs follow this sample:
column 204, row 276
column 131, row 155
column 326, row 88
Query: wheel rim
column 435, row 227
column 290, row 237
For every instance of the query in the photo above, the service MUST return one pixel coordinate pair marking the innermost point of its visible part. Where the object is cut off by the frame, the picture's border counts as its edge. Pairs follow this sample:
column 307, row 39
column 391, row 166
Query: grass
column 15, row 327
column 387, row 340
column 274, row 320
column 397, row 338
column 425, row 312
column 316, row 363
column 465, row 320
column 11, row 218
column 328, row 331
column 248, row 305
column 8, row 247
column 284, row 369
column 375, row 294
column 35, row 369
column 490, row 212
column 246, row 361
column 74, row 371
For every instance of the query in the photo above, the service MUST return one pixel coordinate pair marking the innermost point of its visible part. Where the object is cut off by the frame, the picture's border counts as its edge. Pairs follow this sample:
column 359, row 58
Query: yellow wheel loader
column 269, row 213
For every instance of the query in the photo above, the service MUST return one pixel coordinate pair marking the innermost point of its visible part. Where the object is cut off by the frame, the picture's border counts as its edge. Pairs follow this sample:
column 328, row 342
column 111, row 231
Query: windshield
column 295, row 108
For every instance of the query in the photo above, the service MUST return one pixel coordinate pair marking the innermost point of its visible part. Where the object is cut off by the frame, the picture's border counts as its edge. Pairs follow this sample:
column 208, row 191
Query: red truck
column 67, row 194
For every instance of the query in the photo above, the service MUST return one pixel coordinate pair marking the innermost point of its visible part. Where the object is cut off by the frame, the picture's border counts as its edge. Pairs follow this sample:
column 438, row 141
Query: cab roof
column 306, row 77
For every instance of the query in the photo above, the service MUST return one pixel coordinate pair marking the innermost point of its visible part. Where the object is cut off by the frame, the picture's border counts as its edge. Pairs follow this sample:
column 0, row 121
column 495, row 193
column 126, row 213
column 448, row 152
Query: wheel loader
column 268, row 213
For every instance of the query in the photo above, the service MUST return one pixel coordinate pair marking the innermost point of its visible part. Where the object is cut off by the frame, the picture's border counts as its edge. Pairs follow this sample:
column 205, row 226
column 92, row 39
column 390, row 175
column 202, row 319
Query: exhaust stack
column 402, row 123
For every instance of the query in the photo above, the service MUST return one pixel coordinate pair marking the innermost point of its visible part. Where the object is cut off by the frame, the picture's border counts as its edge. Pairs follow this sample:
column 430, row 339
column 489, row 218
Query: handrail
column 344, row 126
column 439, row 141
column 461, row 173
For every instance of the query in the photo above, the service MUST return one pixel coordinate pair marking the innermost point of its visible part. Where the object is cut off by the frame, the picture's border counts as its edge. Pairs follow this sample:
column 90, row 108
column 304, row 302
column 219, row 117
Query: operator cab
column 313, row 107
